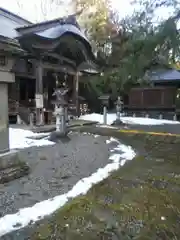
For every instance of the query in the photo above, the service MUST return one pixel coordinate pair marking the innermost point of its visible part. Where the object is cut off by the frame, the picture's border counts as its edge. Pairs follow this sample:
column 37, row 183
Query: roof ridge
column 13, row 16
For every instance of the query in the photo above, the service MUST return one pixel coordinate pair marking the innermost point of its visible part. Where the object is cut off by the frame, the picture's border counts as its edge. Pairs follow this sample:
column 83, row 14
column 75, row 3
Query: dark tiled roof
column 165, row 75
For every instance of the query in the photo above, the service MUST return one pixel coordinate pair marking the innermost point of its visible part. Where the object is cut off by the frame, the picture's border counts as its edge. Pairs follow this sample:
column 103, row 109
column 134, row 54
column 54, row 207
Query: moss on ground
column 139, row 201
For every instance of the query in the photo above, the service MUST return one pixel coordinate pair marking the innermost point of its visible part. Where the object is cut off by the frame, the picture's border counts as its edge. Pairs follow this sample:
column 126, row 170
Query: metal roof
column 14, row 17
column 59, row 30
column 165, row 75
column 9, row 22
column 8, row 27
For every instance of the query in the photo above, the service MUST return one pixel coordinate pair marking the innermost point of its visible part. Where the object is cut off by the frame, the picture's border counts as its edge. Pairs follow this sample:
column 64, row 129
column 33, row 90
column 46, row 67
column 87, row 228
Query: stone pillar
column 39, row 93
column 5, row 78
column 105, row 102
column 4, row 126
column 104, row 115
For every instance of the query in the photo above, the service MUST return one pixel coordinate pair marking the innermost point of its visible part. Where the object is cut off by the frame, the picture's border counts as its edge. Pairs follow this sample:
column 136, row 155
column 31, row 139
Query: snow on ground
column 25, row 216
column 127, row 120
column 19, row 138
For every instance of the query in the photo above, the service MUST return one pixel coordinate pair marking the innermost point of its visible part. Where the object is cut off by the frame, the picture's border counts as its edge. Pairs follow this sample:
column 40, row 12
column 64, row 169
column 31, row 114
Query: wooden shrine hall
column 39, row 57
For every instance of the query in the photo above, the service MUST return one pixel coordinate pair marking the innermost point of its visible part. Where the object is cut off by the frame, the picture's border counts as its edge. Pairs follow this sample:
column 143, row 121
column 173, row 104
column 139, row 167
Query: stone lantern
column 60, row 110
column 119, row 108
column 105, row 102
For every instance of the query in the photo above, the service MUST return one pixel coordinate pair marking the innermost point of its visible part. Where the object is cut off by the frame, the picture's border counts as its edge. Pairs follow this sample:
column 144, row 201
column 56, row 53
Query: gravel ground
column 55, row 169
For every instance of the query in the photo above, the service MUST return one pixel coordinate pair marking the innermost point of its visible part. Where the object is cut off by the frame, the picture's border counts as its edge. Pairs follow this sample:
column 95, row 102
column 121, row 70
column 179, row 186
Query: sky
column 32, row 9
column 39, row 10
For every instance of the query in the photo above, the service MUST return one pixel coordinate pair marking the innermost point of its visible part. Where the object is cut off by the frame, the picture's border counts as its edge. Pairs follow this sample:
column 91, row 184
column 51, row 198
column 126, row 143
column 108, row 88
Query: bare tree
column 42, row 10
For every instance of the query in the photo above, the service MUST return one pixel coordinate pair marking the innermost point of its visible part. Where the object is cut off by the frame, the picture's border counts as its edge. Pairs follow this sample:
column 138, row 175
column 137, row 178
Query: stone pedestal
column 60, row 119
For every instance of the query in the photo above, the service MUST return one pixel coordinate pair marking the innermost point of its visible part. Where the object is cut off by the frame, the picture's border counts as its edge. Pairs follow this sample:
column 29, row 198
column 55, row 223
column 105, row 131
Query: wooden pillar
column 13, row 90
column 17, row 85
column 39, row 93
column 46, row 96
column 76, row 92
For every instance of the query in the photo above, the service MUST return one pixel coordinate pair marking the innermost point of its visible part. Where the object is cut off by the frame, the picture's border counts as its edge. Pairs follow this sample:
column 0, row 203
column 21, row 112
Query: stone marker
column 175, row 117
column 160, row 116
column 105, row 102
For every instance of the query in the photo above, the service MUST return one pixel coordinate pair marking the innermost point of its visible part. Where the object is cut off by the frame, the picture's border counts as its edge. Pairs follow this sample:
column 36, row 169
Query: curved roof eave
column 56, row 32
column 59, row 29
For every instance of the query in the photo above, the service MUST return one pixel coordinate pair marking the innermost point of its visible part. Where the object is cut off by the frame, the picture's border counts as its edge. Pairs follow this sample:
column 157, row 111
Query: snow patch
column 20, row 138
column 127, row 120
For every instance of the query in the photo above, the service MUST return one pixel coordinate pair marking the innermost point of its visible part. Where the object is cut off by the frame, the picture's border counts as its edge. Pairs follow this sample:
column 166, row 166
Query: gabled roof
column 13, row 26
column 28, row 35
column 9, row 22
column 165, row 75
column 53, row 29
column 50, row 32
